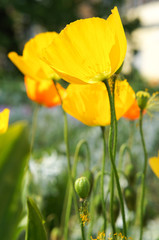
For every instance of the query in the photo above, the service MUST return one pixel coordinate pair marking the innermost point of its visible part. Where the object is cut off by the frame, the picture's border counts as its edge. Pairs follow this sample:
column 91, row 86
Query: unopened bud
column 142, row 99
column 82, row 187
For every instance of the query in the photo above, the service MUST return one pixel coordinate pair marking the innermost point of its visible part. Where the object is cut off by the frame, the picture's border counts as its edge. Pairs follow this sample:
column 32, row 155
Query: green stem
column 78, row 147
column 34, row 124
column 72, row 190
column 102, row 179
column 143, row 175
column 92, row 207
column 112, row 155
column 122, row 151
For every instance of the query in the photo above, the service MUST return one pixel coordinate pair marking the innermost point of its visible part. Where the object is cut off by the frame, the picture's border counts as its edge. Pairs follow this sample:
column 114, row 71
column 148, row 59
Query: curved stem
column 78, row 147
column 102, row 178
column 143, row 175
column 122, row 151
column 92, row 207
column 69, row 203
column 112, row 155
column 70, row 179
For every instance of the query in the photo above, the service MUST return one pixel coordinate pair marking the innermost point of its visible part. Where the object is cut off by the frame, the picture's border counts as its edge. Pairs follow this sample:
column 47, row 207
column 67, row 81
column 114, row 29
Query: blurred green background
column 46, row 180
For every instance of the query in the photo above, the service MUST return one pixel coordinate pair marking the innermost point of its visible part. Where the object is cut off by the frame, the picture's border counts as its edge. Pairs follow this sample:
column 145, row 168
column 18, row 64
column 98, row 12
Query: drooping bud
column 130, row 198
column 82, row 187
column 142, row 99
column 130, row 173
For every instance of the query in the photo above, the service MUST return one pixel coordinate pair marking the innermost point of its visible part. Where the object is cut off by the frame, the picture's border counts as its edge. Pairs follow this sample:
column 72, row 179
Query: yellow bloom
column 154, row 164
column 30, row 64
column 4, row 119
column 88, row 50
column 89, row 103
column 44, row 92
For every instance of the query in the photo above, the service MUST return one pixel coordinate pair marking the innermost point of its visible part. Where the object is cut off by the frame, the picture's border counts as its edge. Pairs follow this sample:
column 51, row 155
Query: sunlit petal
column 4, row 119
column 88, row 50
column 30, row 63
column 89, row 103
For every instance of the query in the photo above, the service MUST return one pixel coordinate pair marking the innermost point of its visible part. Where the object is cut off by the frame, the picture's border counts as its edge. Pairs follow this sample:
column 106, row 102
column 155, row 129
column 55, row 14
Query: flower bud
column 130, row 198
column 130, row 173
column 89, row 175
column 82, row 187
column 142, row 99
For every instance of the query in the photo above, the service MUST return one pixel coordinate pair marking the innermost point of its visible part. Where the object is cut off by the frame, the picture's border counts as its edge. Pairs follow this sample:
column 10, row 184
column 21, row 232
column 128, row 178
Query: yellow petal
column 4, row 119
column 88, row 50
column 118, row 51
column 154, row 164
column 89, row 103
column 43, row 92
column 30, row 63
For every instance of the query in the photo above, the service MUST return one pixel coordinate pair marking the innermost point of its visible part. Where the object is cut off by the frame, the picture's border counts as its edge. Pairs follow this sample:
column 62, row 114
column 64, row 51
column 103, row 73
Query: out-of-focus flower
column 118, row 236
column 133, row 112
column 101, row 236
column 4, row 119
column 153, row 104
column 154, row 164
column 44, row 92
column 88, row 50
column 30, row 63
column 89, row 103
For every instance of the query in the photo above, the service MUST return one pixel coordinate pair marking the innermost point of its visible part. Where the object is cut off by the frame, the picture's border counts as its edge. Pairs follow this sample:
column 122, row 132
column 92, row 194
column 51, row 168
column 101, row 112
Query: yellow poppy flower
column 154, row 164
column 88, row 50
column 4, row 119
column 89, row 103
column 44, row 92
column 30, row 63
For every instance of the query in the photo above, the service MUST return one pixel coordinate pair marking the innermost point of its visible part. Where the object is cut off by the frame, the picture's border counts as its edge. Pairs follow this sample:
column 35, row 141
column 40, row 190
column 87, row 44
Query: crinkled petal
column 87, row 50
column 90, row 103
column 4, row 119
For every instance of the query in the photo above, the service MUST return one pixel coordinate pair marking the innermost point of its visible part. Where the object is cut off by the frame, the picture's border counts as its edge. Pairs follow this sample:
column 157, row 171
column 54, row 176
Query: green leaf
column 14, row 150
column 35, row 227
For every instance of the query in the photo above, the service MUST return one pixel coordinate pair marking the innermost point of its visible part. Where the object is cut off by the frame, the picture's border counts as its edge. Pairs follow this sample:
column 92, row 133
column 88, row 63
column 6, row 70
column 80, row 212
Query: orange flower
column 44, row 92
column 133, row 112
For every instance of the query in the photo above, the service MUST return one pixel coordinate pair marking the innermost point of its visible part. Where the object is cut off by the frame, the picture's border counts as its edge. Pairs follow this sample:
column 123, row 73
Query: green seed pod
column 142, row 99
column 82, row 187
column 89, row 175
column 130, row 198
column 130, row 173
